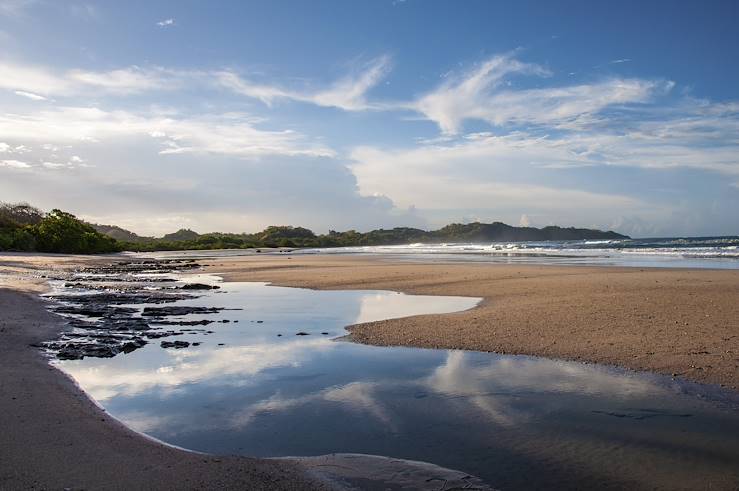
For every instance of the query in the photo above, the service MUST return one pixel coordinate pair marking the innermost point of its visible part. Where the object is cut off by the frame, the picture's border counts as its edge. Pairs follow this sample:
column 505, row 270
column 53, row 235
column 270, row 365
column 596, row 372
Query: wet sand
column 54, row 437
column 683, row 323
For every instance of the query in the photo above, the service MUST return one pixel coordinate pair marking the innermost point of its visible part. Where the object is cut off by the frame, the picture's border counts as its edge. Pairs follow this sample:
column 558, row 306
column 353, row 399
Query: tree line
column 26, row 228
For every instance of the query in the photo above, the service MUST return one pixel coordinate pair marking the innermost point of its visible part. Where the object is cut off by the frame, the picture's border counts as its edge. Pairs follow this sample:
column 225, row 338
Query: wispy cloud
column 465, row 97
column 28, row 79
column 166, row 23
column 622, row 60
column 481, row 94
column 30, row 95
column 348, row 93
column 222, row 134
column 127, row 80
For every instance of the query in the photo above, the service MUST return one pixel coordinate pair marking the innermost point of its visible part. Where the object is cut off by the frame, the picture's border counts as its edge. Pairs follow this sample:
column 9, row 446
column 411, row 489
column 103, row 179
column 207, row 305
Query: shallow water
column 694, row 253
column 517, row 422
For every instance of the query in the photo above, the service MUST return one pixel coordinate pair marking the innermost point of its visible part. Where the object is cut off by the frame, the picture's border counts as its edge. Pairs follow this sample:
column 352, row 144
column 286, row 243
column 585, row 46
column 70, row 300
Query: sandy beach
column 55, row 437
column 681, row 322
column 678, row 322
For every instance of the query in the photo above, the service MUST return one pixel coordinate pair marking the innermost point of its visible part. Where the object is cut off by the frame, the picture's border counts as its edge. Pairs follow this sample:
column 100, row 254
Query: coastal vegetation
column 26, row 228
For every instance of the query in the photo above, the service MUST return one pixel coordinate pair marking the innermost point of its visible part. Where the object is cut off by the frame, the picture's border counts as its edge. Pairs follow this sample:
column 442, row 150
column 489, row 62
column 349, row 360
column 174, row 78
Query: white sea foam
column 711, row 252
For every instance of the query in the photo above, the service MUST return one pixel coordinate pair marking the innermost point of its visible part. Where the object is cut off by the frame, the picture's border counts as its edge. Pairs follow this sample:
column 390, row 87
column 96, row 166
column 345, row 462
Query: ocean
column 679, row 252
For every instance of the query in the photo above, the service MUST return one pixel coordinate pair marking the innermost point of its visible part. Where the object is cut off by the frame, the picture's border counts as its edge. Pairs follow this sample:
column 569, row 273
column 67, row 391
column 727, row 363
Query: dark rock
column 162, row 322
column 132, row 345
column 162, row 334
column 198, row 286
column 174, row 344
column 301, row 333
column 168, row 311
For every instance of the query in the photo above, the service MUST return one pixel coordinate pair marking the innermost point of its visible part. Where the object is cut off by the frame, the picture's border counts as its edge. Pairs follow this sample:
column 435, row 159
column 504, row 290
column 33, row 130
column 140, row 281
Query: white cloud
column 224, row 134
column 265, row 93
column 348, row 93
column 468, row 175
column 4, row 147
column 55, row 165
column 38, row 83
column 30, row 95
column 14, row 164
column 127, row 80
column 481, row 95
column 166, row 23
column 31, row 79
column 460, row 98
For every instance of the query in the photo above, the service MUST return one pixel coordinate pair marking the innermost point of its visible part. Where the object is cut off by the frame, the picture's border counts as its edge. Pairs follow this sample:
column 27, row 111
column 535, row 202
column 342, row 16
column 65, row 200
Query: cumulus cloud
column 473, row 174
column 166, row 23
column 487, row 176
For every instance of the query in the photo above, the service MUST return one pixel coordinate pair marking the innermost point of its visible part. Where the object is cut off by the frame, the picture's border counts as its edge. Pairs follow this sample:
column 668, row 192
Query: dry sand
column 676, row 322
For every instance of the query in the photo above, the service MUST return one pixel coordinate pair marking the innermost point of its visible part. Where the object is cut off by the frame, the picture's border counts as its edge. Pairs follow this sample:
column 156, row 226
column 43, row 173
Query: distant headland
column 26, row 228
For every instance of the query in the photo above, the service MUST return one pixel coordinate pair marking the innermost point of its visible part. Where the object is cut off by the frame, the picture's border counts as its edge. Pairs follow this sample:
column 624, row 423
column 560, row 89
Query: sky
column 234, row 115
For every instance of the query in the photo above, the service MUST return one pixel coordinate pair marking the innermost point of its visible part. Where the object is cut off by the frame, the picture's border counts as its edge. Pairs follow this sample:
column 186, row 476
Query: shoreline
column 682, row 323
column 55, row 436
column 58, row 437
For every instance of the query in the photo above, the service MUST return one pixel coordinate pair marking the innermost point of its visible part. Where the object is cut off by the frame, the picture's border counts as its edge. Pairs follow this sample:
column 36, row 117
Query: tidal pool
column 254, row 386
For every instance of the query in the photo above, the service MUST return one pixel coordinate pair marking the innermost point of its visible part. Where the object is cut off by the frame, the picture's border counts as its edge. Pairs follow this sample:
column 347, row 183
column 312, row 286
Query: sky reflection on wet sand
column 499, row 417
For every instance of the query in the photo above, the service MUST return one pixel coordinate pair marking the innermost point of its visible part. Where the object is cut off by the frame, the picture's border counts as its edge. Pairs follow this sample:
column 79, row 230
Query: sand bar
column 681, row 322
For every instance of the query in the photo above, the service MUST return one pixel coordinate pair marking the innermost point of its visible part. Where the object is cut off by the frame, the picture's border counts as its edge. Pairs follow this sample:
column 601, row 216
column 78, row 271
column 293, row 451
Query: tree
column 60, row 231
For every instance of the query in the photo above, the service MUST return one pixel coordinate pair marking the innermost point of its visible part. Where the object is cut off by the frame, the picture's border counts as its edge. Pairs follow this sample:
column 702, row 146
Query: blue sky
column 333, row 115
